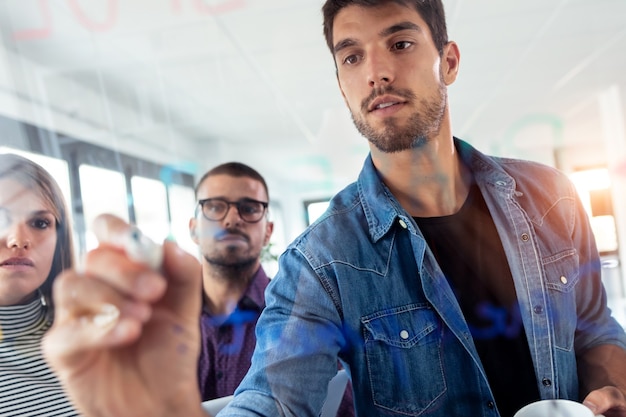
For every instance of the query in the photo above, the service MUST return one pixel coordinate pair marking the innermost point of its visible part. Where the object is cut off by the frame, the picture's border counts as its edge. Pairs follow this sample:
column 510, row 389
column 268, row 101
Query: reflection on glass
column 56, row 167
column 150, row 204
column 182, row 204
column 103, row 191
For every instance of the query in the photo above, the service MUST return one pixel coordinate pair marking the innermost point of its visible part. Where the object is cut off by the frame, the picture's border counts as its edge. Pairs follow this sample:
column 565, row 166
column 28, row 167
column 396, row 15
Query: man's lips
column 383, row 102
column 228, row 236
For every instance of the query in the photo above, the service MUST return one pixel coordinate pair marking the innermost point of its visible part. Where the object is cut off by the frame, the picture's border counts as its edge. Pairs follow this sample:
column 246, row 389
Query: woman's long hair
column 34, row 177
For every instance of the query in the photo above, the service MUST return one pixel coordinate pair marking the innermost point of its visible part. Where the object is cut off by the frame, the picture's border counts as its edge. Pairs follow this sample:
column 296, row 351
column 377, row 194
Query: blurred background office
column 126, row 101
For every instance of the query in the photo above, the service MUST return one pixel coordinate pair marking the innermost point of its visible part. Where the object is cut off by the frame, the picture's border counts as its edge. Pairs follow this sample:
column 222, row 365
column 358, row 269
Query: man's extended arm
column 602, row 375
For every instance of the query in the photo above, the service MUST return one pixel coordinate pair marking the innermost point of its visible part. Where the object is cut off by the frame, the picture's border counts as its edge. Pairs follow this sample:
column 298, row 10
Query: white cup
column 554, row 408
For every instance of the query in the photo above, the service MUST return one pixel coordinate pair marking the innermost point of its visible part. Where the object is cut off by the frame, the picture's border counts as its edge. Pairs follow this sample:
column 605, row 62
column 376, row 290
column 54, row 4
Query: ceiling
column 205, row 81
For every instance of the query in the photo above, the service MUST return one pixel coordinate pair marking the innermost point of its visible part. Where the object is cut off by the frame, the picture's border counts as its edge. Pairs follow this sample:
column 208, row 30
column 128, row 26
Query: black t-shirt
column 470, row 253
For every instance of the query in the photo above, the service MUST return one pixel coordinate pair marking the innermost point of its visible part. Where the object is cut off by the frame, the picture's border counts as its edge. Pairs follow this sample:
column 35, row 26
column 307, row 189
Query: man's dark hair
column 430, row 10
column 234, row 169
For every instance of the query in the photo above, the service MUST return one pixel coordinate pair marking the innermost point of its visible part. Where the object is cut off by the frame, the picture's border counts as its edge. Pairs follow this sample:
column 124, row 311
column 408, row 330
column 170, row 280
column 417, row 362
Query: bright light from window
column 592, row 179
column 605, row 233
column 315, row 210
column 150, row 202
column 593, row 187
column 56, row 167
column 182, row 203
column 103, row 191
column 588, row 180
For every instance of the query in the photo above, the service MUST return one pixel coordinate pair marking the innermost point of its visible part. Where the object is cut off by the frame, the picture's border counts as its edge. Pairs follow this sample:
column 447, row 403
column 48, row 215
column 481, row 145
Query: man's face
column 390, row 75
column 231, row 242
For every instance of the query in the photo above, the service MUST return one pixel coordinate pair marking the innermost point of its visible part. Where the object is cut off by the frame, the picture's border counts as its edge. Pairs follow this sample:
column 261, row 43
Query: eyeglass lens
column 216, row 209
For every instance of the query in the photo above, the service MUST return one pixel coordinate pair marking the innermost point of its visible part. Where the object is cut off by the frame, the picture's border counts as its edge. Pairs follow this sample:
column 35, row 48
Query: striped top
column 27, row 385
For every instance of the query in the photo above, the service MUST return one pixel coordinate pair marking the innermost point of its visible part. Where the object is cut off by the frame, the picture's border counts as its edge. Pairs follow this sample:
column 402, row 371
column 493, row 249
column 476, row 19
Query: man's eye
column 351, row 59
column 249, row 208
column 212, row 206
column 402, row 45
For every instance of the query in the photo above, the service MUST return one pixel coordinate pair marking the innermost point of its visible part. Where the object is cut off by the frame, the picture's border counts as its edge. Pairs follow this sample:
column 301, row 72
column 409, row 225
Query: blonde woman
column 35, row 246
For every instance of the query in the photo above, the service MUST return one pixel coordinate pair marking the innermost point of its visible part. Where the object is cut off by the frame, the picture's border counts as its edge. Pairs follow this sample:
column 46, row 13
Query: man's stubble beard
column 421, row 125
column 231, row 264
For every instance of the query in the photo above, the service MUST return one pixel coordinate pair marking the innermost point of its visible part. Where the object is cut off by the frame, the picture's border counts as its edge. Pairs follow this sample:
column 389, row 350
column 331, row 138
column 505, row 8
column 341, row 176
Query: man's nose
column 379, row 70
column 232, row 215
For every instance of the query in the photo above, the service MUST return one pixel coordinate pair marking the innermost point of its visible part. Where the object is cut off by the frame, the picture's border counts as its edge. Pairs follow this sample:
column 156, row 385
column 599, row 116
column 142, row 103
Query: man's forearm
column 601, row 366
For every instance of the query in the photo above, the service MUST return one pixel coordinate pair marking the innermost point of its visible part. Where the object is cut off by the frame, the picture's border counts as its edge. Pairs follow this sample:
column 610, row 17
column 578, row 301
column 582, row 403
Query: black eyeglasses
column 250, row 211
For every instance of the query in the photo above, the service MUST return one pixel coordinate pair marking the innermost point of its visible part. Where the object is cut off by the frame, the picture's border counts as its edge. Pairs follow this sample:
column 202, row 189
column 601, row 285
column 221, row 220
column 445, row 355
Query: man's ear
column 269, row 229
column 193, row 224
column 450, row 59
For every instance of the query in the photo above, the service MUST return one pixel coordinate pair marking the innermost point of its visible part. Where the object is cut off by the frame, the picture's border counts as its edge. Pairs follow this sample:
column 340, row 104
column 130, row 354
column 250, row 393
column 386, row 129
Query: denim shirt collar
column 380, row 206
column 485, row 169
column 382, row 209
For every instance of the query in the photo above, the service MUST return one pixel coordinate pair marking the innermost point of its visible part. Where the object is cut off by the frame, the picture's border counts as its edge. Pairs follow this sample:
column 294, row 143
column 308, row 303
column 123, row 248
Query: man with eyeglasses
column 230, row 227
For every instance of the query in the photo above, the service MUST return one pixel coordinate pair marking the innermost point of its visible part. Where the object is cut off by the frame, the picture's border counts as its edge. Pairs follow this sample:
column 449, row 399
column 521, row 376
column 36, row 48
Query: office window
column 150, row 204
column 182, row 204
column 56, row 167
column 314, row 209
column 103, row 191
column 594, row 189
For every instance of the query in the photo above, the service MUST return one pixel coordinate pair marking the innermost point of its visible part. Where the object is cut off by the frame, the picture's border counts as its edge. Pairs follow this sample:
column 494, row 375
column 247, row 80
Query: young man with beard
column 230, row 227
column 449, row 282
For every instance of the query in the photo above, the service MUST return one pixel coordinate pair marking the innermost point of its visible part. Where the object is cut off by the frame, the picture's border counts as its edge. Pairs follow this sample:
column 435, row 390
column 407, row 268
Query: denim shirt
column 361, row 284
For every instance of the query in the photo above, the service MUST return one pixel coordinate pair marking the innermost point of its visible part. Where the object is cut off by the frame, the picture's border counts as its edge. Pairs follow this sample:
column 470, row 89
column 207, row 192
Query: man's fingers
column 184, row 275
column 77, row 296
column 137, row 246
column 607, row 401
column 111, row 229
column 73, row 341
column 111, row 265
column 90, row 315
column 117, row 262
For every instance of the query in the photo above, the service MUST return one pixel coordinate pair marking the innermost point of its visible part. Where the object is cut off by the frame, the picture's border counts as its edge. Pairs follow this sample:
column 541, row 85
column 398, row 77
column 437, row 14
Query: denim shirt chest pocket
column 562, row 274
column 403, row 354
